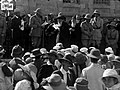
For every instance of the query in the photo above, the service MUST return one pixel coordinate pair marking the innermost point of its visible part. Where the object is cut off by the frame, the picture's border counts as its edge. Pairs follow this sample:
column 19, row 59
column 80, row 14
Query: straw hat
column 74, row 48
column 96, row 12
column 30, row 70
column 17, row 50
column 87, row 16
column 112, row 24
column 95, row 53
column 109, row 50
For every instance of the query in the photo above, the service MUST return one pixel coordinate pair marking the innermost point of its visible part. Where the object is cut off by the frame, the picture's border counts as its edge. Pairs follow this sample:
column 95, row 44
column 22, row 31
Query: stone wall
column 69, row 9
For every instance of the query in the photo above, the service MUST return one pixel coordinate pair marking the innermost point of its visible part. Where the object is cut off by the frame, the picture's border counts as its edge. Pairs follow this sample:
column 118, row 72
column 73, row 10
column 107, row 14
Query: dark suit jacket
column 45, row 71
column 72, row 77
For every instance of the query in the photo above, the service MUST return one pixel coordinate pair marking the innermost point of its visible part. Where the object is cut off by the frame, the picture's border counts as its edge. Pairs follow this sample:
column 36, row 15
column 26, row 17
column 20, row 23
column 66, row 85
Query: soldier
column 2, row 28
column 97, row 24
column 86, row 29
column 112, row 36
column 36, row 29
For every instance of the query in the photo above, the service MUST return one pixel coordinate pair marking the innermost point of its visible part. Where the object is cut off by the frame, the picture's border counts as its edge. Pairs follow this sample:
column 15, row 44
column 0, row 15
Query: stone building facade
column 107, row 8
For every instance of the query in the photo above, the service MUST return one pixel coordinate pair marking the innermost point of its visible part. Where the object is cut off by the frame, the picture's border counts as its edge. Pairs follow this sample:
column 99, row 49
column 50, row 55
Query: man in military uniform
column 2, row 28
column 15, row 26
column 97, row 24
column 36, row 28
column 86, row 29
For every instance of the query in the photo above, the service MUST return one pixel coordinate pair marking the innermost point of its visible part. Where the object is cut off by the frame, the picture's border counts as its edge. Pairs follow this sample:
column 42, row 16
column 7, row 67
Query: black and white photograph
column 59, row 44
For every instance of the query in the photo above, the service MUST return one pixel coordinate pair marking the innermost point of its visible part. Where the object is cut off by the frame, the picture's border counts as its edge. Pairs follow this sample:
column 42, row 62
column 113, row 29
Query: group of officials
column 37, row 30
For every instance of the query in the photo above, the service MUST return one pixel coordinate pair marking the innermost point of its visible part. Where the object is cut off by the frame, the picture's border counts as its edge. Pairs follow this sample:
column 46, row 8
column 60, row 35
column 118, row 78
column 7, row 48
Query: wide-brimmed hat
column 80, row 58
column 26, row 55
column 17, row 50
column 62, row 17
column 43, row 51
column 38, row 10
column 66, row 61
column 95, row 53
column 112, row 24
column 109, row 50
column 30, row 70
column 59, row 44
column 56, row 48
column 104, row 59
column 74, row 48
column 96, row 12
column 84, row 50
column 87, row 16
column 35, row 52
column 111, row 73
column 69, row 57
column 55, row 83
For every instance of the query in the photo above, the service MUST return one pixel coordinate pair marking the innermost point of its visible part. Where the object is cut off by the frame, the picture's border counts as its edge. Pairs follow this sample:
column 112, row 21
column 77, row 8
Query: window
column 107, row 2
column 71, row 1
column 66, row 1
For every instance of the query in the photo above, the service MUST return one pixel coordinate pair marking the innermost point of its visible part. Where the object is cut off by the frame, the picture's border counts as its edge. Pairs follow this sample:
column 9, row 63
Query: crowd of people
column 51, row 53
column 60, row 69
column 36, row 31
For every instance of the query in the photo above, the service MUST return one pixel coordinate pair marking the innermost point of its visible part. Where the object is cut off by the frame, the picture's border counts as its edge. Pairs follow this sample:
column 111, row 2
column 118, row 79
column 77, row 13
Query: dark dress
column 50, row 34
column 76, row 35
column 64, row 35
column 17, row 33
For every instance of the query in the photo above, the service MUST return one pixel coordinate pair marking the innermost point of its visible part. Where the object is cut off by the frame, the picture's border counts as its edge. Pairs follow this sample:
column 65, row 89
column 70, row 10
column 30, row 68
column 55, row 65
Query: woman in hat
column 97, row 24
column 50, row 32
column 112, row 36
column 111, row 79
column 75, row 30
column 64, row 33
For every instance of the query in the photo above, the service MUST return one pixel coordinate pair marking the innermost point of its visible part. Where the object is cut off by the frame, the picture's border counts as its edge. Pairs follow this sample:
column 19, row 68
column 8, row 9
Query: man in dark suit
column 48, row 68
column 66, row 72
column 15, row 26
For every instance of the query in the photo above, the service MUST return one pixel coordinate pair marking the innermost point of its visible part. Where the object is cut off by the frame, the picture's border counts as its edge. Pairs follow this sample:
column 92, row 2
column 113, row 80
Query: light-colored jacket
column 93, row 73
column 97, row 28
